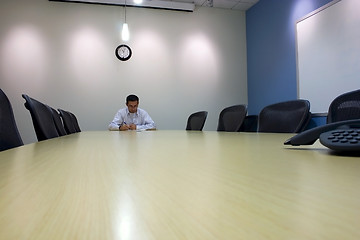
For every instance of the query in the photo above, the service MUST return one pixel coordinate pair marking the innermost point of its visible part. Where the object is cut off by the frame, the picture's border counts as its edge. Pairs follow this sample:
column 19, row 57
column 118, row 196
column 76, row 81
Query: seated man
column 132, row 117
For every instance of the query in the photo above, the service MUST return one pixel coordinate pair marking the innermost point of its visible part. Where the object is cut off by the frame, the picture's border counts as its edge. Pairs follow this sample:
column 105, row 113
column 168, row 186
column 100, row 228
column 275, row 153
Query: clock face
column 123, row 52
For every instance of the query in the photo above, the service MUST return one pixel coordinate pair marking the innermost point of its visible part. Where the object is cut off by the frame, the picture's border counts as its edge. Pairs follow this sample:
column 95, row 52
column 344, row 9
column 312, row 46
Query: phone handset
column 308, row 137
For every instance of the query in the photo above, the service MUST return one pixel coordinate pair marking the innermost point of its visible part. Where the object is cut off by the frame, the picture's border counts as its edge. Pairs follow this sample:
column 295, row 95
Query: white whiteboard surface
column 328, row 53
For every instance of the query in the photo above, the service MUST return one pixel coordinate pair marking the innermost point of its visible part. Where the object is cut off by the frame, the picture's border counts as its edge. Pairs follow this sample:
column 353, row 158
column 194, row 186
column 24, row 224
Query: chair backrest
column 345, row 107
column 250, row 124
column 9, row 134
column 58, row 122
column 196, row 121
column 231, row 118
column 68, row 121
column 75, row 122
column 42, row 119
column 285, row 117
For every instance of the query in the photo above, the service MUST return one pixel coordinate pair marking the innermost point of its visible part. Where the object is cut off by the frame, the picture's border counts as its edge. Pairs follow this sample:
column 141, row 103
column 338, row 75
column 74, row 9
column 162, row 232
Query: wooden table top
column 177, row 185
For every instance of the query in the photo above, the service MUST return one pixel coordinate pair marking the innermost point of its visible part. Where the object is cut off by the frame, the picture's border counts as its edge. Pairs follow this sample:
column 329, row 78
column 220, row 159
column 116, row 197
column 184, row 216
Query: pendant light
column 125, row 35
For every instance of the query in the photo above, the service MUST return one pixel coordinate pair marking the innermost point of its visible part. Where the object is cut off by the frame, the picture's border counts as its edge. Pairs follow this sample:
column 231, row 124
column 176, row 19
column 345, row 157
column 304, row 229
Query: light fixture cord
column 125, row 11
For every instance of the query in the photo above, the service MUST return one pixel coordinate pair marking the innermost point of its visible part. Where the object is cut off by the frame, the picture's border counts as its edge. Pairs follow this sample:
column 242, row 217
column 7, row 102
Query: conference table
column 177, row 185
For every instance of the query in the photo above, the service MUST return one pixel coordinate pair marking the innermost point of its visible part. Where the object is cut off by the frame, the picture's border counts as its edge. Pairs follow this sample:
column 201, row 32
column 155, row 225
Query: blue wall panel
column 271, row 64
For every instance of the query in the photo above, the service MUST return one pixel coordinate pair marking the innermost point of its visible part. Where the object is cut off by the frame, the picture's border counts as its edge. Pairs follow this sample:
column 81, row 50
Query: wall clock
column 123, row 52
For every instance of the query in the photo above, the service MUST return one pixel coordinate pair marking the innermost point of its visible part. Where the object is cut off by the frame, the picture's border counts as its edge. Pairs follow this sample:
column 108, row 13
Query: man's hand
column 124, row 127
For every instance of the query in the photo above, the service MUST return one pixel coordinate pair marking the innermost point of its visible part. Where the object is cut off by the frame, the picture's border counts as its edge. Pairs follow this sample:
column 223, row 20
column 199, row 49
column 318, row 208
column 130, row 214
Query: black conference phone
column 338, row 136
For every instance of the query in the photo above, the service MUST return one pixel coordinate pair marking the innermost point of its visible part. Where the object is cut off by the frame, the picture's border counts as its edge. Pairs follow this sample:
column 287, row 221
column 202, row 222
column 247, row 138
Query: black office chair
column 285, row 117
column 231, row 118
column 250, row 124
column 68, row 121
column 42, row 119
column 58, row 122
column 75, row 122
column 9, row 134
column 196, row 121
column 345, row 107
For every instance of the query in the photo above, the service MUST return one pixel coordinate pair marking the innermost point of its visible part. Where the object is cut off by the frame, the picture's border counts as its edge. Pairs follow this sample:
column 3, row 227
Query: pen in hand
column 123, row 126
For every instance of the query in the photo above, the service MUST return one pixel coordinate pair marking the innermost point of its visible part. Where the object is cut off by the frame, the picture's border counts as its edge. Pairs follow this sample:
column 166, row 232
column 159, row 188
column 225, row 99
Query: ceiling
column 185, row 5
column 227, row 4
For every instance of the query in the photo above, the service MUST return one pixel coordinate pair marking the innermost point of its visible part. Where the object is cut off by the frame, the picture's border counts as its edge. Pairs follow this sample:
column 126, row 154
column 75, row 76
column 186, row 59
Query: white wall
column 63, row 55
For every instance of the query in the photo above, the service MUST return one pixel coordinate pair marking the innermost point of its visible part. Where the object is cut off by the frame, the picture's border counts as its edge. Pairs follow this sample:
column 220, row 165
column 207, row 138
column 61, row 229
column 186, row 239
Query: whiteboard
column 328, row 53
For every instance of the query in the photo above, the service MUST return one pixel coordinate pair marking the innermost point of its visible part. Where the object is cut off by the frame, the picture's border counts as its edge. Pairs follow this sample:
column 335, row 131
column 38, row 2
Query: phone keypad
column 342, row 139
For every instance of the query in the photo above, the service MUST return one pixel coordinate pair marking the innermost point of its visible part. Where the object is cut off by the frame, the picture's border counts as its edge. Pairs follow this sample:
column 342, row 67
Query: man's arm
column 116, row 122
column 148, row 123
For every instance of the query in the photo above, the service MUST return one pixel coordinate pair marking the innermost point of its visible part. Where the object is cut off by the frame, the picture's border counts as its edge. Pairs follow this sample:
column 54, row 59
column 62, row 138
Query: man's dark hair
column 132, row 98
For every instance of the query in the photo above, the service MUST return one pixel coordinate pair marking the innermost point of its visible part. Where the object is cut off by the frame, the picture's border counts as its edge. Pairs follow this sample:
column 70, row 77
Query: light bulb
column 125, row 35
column 138, row 1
